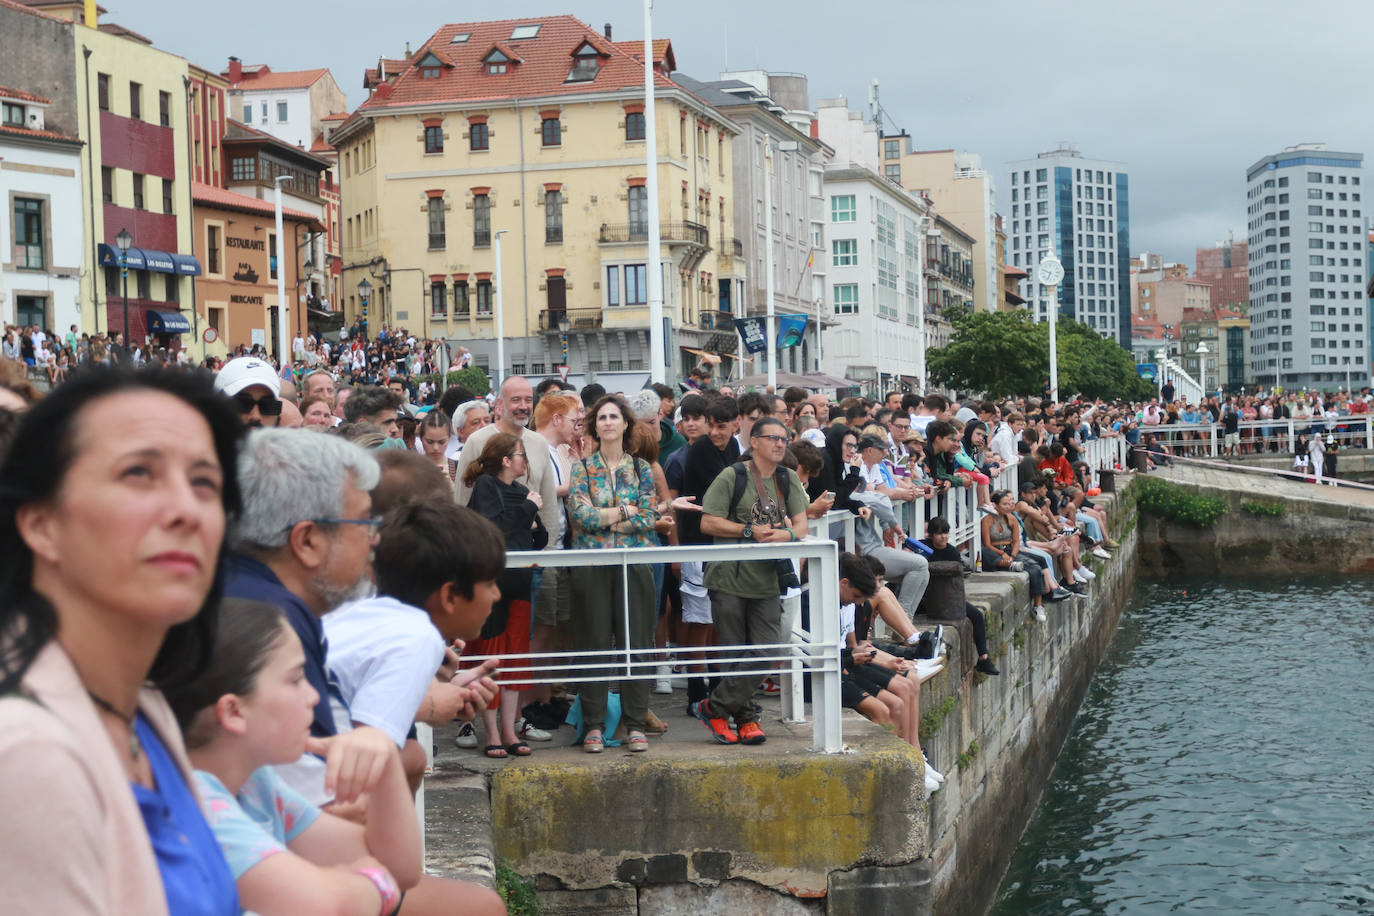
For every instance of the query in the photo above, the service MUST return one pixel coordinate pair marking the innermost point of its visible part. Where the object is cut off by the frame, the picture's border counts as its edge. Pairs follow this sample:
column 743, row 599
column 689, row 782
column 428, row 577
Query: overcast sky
column 1187, row 93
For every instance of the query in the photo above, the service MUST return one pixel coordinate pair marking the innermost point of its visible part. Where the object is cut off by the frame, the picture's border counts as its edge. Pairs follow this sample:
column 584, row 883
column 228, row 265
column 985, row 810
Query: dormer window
column 430, row 67
column 586, row 64
column 14, row 115
column 496, row 61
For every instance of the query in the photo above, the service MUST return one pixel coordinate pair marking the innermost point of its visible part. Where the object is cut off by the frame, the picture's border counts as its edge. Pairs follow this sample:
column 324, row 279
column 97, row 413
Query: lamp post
column 1050, row 273
column 768, row 264
column 123, row 241
column 563, row 325
column 364, row 294
column 279, row 254
column 500, row 331
column 1202, row 353
column 654, row 265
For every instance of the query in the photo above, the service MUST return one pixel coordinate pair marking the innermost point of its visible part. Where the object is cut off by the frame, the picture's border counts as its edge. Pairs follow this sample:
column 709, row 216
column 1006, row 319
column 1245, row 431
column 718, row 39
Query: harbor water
column 1222, row 760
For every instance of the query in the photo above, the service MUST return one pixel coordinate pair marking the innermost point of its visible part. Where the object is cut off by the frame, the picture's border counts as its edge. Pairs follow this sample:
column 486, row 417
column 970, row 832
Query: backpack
column 780, row 480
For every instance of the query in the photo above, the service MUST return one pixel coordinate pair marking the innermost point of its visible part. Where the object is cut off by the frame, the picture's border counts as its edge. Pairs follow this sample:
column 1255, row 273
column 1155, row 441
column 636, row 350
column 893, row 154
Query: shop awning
column 168, row 323
column 187, row 265
column 151, row 259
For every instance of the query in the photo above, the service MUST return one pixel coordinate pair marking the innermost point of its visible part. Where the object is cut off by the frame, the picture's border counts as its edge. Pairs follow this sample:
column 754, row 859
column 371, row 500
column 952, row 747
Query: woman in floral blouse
column 611, row 504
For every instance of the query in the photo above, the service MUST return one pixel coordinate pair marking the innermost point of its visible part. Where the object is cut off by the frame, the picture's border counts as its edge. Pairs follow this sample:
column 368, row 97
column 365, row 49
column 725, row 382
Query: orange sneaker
column 751, row 733
column 718, row 726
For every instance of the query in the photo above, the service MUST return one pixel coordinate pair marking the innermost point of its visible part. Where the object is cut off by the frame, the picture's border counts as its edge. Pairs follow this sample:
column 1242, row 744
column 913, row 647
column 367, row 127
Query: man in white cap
column 253, row 389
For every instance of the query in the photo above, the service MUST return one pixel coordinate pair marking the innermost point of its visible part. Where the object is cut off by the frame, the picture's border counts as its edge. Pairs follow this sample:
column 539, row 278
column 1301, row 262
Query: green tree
column 1006, row 354
column 472, row 378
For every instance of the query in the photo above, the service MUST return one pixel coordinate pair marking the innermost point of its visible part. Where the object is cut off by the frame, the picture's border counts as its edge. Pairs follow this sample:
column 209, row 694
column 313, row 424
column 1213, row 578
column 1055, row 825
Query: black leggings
column 980, row 628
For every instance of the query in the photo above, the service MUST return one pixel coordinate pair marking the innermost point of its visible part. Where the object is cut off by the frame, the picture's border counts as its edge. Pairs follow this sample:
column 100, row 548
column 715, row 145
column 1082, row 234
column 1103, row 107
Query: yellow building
column 962, row 190
column 535, row 129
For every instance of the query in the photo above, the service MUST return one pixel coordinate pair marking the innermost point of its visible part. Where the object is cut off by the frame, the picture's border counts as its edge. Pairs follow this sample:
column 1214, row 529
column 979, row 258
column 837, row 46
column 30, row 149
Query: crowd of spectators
column 337, row 532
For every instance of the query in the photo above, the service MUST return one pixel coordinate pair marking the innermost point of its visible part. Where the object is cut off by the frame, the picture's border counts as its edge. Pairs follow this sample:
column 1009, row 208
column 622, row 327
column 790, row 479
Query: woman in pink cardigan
column 113, row 504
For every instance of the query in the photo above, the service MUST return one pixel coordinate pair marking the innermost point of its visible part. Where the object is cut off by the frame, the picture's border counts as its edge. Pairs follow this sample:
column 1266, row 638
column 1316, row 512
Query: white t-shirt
column 383, row 655
column 846, row 622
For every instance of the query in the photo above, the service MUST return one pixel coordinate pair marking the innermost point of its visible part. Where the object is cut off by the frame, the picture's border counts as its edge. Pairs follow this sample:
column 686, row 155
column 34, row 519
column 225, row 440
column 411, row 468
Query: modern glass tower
column 1080, row 209
column 1308, row 308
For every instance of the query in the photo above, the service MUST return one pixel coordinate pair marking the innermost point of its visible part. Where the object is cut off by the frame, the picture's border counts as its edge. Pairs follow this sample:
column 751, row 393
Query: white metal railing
column 816, row 649
column 1105, row 453
column 1185, row 386
column 1256, row 436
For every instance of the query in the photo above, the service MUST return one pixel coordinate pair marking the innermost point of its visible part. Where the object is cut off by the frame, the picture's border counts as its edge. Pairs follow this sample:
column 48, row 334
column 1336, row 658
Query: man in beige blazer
column 517, row 406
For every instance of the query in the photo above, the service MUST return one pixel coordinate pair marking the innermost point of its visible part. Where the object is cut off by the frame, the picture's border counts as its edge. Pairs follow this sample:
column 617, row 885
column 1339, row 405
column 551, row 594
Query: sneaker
column 931, row 786
column 932, row 773
column 467, row 736
column 1078, row 575
column 1077, row 589
column 927, row 668
column 770, row 688
column 751, row 733
column 1087, row 574
column 718, row 726
column 531, row 732
column 663, row 684
column 1040, row 614
column 1017, row 566
column 1101, row 554
column 1060, row 593
column 986, row 666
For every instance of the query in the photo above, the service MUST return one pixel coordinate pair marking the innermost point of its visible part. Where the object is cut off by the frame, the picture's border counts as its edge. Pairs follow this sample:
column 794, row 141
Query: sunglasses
column 267, row 405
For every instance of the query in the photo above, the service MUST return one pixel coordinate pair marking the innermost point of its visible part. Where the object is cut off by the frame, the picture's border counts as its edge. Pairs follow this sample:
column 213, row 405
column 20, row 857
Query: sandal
column 593, row 743
column 495, row 752
column 518, row 749
column 638, row 743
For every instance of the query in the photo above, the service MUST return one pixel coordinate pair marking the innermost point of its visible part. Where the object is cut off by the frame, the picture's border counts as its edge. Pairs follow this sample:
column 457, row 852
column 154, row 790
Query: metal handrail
column 818, row 650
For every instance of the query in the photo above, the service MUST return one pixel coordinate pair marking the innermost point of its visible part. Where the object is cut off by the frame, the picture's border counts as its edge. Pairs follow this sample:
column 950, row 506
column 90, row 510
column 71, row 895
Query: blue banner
column 753, row 333
column 791, row 330
column 1145, row 371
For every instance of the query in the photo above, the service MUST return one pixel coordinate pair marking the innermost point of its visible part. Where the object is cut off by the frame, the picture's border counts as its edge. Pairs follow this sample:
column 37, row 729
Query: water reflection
column 1222, row 762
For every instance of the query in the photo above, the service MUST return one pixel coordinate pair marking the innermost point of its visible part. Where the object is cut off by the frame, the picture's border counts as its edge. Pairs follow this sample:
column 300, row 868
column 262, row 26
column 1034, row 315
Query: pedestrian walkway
column 1261, row 483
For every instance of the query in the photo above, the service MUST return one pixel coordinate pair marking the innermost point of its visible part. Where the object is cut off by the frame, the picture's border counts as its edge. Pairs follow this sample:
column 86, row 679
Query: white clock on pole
column 1051, row 271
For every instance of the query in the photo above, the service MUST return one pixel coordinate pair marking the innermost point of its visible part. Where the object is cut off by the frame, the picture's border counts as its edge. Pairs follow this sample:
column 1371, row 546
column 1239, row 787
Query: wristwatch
column 748, row 532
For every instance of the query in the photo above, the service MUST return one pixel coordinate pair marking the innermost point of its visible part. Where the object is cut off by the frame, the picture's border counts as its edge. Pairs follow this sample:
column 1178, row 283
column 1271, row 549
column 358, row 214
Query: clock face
column 1051, row 271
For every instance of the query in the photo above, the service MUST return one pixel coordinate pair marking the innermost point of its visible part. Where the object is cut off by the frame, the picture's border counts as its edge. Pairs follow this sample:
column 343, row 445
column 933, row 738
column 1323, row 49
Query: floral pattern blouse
column 594, row 487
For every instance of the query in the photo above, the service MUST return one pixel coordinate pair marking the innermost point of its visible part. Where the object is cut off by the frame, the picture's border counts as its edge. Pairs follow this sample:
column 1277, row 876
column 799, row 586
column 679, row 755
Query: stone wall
column 1312, row 536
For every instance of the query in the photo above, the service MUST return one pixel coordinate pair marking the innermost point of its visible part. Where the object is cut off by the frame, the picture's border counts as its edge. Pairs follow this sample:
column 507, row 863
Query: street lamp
column 1202, row 353
column 500, row 333
column 364, row 294
column 123, row 241
column 279, row 255
column 563, row 326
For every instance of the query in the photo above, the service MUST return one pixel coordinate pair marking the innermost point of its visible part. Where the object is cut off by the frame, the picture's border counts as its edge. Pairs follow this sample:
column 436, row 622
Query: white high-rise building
column 1079, row 209
column 1307, row 273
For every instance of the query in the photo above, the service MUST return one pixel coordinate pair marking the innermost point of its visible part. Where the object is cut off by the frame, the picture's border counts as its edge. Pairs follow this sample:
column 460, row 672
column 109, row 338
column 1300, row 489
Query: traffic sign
column 563, row 373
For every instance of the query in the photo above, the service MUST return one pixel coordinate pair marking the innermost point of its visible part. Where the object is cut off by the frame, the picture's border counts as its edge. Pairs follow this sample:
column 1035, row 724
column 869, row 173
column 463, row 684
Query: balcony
column 576, row 319
column 626, row 233
column 712, row 320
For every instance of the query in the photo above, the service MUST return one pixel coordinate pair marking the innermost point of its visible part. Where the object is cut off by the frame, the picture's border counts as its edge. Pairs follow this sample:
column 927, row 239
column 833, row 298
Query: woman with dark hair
column 611, row 504
column 515, row 510
column 114, row 501
column 435, row 430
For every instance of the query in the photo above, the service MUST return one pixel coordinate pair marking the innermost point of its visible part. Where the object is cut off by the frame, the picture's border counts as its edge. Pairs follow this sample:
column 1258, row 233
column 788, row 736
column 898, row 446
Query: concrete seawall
column 1318, row 529
column 697, row 828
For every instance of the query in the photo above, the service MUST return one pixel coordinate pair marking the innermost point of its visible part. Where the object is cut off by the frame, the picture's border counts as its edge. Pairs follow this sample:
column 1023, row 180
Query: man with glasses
column 303, row 543
column 746, row 605
column 898, row 427
column 253, row 389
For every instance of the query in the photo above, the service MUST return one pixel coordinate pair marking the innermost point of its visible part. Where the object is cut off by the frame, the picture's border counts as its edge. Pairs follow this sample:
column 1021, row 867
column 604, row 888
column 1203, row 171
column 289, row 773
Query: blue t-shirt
column 195, row 877
column 246, row 577
column 259, row 822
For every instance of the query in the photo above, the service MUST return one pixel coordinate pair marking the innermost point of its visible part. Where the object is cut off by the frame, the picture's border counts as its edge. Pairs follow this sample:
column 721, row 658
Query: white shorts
column 696, row 601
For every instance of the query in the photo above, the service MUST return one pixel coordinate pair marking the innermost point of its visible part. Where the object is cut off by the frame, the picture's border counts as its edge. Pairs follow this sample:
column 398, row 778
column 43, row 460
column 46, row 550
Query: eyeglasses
column 850, row 446
column 267, row 405
column 373, row 524
column 901, row 426
column 777, row 440
column 520, row 455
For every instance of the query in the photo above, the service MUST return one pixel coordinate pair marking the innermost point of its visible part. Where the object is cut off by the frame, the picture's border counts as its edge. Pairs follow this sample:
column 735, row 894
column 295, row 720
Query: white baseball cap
column 244, row 372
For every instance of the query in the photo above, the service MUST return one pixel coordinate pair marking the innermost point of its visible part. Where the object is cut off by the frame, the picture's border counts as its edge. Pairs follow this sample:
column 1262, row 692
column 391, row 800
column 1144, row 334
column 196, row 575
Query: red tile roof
column 1016, row 271
column 230, row 200
column 320, row 145
column 337, row 116
column 20, row 95
column 111, row 28
column 37, row 134
column 663, row 51
column 393, row 67
column 545, row 62
column 287, row 79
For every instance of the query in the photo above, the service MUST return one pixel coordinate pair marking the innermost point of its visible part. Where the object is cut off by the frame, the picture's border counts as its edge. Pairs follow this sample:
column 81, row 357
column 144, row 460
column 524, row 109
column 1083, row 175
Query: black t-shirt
column 1231, row 420
column 703, row 465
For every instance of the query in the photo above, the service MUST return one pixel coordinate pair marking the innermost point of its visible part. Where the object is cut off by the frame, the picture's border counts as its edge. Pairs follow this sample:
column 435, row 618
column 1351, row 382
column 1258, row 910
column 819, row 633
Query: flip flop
column 518, row 749
column 495, row 752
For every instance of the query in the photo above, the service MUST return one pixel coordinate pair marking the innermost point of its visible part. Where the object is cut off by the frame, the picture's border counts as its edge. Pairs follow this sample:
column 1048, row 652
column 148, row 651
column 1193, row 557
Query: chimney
column 608, row 31
column 235, row 70
column 407, row 50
